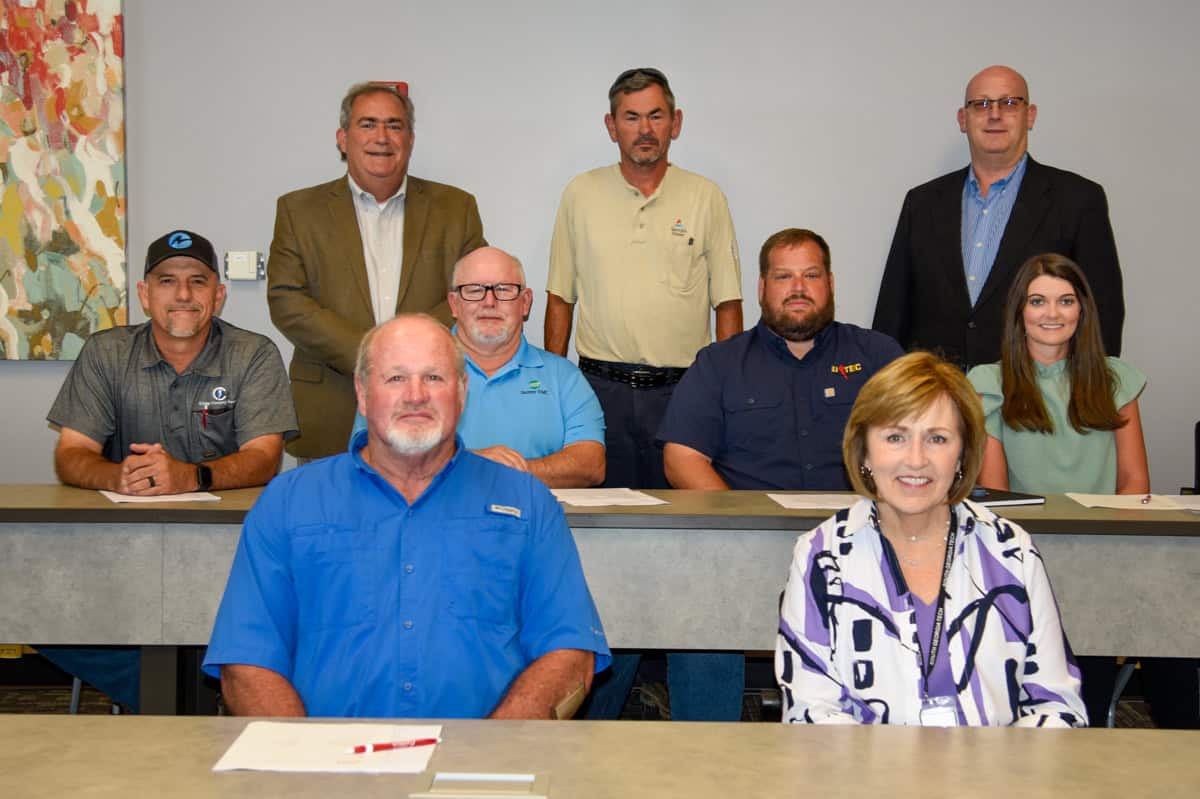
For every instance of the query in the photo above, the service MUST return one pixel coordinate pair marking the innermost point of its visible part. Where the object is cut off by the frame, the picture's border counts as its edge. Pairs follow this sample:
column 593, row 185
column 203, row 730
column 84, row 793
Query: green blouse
column 1065, row 460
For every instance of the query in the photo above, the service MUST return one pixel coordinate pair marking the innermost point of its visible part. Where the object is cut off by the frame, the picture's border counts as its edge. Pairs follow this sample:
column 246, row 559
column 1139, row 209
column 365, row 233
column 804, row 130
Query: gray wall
column 805, row 113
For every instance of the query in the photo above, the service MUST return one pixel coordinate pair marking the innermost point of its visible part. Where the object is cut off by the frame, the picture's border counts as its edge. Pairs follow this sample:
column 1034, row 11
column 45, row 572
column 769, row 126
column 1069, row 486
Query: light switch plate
column 244, row 265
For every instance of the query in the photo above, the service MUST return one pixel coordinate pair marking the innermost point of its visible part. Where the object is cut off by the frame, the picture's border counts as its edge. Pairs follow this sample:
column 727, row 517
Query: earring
column 865, row 470
column 958, row 473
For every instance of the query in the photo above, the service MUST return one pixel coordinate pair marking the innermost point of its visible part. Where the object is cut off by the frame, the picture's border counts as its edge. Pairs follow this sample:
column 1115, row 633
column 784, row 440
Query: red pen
column 387, row 746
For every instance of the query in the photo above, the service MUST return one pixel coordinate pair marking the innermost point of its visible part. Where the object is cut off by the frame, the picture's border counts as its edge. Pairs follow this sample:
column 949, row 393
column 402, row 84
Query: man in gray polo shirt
column 182, row 402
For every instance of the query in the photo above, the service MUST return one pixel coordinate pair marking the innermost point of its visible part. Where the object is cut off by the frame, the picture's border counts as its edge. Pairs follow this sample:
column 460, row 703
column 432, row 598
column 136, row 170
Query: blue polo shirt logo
column 534, row 386
column 179, row 241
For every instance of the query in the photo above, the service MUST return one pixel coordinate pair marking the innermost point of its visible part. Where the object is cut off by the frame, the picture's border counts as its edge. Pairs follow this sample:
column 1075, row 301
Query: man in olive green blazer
column 334, row 259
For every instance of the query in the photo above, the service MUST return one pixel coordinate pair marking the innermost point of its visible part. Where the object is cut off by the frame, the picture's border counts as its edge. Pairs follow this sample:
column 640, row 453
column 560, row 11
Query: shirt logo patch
column 845, row 369
column 534, row 386
column 507, row 510
column 830, row 392
column 220, row 393
column 678, row 229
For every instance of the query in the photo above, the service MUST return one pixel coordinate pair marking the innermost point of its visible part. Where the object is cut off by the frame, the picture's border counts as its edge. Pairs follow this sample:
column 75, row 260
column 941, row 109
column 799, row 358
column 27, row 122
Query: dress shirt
column 381, row 225
column 983, row 223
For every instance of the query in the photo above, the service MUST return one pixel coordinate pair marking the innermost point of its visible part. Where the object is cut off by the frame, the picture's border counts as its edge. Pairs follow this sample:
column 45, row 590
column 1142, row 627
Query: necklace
column 915, row 560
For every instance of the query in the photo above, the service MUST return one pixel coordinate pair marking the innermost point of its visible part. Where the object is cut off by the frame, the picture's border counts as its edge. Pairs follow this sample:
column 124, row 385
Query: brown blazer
column 319, row 298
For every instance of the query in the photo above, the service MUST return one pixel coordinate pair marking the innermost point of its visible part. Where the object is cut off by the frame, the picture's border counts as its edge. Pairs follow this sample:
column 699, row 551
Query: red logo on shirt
column 844, row 369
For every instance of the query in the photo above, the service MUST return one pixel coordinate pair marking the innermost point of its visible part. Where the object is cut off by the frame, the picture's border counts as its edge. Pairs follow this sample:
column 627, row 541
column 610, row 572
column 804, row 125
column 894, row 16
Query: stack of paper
column 300, row 746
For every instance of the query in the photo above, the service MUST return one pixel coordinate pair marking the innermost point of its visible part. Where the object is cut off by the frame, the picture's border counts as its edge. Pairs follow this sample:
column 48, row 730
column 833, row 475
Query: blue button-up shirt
column 983, row 223
column 371, row 606
column 769, row 420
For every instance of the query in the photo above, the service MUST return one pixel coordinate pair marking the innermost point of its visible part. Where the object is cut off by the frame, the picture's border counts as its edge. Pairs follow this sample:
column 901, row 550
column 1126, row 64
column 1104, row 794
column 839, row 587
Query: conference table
column 702, row 572
column 173, row 756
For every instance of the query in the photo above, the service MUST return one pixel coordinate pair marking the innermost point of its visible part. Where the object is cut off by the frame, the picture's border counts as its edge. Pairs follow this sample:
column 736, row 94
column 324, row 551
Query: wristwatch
column 203, row 477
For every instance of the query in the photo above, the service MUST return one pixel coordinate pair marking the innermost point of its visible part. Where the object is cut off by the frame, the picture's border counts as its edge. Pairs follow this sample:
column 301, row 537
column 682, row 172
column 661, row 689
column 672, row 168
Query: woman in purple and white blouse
column 915, row 605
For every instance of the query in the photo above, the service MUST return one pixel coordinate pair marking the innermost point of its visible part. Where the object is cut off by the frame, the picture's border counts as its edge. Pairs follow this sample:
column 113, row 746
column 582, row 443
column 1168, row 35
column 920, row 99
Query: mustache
column 183, row 306
column 647, row 139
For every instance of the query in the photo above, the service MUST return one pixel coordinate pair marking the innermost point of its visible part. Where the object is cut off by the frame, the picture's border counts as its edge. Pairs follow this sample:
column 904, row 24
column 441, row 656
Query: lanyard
column 939, row 613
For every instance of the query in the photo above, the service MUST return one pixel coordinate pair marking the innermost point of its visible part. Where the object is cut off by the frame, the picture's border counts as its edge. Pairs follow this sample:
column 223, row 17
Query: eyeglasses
column 1006, row 105
column 475, row 292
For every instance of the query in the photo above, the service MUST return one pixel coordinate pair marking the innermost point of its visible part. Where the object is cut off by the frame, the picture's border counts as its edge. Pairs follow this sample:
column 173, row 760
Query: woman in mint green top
column 1060, row 415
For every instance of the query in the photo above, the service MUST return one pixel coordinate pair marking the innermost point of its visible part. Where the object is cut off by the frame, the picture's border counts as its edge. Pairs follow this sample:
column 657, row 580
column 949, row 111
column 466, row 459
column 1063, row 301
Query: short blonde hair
column 907, row 387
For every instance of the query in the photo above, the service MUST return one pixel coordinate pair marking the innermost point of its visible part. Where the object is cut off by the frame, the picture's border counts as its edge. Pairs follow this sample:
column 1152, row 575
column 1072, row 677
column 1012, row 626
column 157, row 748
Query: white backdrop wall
column 807, row 114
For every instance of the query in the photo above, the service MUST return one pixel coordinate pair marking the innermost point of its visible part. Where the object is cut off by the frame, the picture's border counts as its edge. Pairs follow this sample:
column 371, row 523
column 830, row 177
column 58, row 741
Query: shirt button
column 408, row 568
column 979, row 244
column 408, row 625
column 408, row 686
column 808, row 467
column 804, row 434
column 985, row 211
column 972, row 278
column 970, row 325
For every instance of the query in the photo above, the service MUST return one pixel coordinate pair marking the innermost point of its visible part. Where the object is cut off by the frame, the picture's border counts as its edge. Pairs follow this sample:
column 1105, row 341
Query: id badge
column 939, row 711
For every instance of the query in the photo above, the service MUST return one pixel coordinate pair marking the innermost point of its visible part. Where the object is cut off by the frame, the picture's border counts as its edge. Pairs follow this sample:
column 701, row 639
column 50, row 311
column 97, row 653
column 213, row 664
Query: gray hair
column 634, row 80
column 368, row 87
column 458, row 265
column 363, row 365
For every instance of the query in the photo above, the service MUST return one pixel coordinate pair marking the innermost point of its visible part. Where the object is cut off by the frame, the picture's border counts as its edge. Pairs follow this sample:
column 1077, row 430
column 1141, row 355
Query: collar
column 361, row 195
column 778, row 344
column 968, row 515
column 205, row 363
column 358, row 441
column 638, row 192
column 526, row 357
column 1014, row 175
column 1052, row 369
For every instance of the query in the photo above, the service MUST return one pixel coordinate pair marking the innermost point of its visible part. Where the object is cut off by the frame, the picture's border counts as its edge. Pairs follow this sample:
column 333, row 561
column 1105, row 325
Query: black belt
column 634, row 375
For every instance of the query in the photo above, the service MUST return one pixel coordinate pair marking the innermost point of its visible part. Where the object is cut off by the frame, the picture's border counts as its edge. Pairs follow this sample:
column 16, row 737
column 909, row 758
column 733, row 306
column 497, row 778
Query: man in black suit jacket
column 925, row 297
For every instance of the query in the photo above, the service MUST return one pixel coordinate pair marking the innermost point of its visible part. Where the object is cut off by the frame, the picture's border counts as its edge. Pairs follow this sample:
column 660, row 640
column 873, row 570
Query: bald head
column 417, row 327
column 989, row 76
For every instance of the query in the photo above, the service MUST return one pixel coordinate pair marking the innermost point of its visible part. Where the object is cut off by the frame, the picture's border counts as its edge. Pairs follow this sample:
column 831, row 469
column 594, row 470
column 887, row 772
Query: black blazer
column 923, row 301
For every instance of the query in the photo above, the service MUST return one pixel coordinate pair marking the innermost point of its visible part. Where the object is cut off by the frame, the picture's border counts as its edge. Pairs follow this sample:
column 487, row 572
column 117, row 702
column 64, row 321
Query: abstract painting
column 62, row 175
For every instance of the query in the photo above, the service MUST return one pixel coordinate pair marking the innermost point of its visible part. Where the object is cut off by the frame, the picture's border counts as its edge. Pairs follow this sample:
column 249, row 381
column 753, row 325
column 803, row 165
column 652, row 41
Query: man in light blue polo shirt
column 526, row 408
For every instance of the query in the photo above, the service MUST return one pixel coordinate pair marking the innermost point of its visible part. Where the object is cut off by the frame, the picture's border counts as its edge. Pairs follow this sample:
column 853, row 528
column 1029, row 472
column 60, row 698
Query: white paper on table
column 297, row 746
column 601, row 497
column 1126, row 501
column 817, row 501
column 190, row 496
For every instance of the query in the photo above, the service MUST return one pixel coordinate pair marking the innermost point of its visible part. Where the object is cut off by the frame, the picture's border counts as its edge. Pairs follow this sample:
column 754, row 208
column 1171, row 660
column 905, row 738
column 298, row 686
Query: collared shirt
column 374, row 607
column 381, row 226
column 537, row 403
column 770, row 420
column 848, row 649
column 983, row 223
column 645, row 272
column 122, row 391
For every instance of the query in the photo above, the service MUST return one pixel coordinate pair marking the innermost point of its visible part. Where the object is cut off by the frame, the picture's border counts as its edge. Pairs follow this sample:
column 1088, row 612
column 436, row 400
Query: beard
column 792, row 328
column 648, row 158
column 409, row 443
column 490, row 335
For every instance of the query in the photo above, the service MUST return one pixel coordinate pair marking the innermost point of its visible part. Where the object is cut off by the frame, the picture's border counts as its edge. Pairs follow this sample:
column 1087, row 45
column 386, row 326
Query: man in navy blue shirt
column 766, row 409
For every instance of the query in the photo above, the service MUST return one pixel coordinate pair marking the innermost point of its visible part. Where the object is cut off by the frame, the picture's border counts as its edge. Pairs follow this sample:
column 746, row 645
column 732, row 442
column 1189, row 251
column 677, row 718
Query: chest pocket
column 483, row 569
column 217, row 430
column 336, row 573
column 755, row 423
column 686, row 266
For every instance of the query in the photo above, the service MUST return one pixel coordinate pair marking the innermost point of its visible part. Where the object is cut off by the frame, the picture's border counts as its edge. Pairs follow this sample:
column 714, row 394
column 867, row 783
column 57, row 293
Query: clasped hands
column 150, row 471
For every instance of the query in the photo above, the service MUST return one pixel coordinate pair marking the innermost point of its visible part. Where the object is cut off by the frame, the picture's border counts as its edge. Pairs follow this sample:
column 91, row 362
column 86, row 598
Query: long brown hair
column 1091, row 406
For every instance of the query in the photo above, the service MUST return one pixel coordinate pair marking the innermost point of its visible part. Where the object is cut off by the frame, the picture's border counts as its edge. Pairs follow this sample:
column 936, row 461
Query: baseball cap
column 181, row 242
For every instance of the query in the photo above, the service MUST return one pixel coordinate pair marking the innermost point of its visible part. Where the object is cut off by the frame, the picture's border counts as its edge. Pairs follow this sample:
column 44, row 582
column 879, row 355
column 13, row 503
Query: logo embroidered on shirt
column 219, row 393
column 829, row 392
column 844, row 369
column 678, row 229
column 534, row 386
column 507, row 510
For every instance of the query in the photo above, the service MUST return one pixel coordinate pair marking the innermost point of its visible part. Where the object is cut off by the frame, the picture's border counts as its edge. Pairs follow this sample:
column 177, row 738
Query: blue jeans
column 704, row 686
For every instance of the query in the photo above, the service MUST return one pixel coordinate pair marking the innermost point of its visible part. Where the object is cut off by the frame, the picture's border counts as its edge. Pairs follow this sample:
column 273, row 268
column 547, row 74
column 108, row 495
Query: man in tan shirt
column 646, row 250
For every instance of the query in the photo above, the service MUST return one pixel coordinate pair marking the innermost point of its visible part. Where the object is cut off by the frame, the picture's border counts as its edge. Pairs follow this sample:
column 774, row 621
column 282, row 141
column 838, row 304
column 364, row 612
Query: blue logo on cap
column 180, row 240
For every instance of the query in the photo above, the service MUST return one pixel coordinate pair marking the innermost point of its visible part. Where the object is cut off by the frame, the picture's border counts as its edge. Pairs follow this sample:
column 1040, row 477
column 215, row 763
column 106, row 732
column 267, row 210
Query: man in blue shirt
column 766, row 409
column 526, row 408
column 407, row 577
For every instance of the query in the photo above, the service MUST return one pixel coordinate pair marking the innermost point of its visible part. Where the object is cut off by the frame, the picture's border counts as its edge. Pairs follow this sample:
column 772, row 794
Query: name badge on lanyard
column 939, row 711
